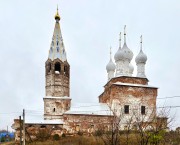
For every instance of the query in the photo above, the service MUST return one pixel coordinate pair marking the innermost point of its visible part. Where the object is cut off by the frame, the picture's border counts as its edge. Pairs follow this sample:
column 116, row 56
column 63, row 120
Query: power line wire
column 169, row 97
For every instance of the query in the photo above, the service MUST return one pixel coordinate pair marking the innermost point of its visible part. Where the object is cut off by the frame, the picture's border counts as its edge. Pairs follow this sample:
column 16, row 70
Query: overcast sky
column 89, row 28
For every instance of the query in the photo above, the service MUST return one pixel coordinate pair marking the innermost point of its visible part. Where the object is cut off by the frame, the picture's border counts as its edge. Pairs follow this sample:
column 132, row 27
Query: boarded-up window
column 143, row 109
column 126, row 109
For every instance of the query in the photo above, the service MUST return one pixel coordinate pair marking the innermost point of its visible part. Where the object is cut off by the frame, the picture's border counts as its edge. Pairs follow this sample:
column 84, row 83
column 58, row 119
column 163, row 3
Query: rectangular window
column 77, row 128
column 143, row 109
column 126, row 109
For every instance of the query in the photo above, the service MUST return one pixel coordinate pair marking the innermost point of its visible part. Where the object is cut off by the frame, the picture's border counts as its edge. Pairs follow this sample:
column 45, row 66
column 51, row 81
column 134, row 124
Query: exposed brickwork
column 54, row 108
column 126, row 79
column 57, row 83
column 33, row 130
column 122, row 92
column 85, row 123
column 117, row 96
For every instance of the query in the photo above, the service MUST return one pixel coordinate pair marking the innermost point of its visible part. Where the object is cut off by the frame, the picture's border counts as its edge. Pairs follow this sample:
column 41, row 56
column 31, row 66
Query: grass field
column 79, row 140
column 7, row 143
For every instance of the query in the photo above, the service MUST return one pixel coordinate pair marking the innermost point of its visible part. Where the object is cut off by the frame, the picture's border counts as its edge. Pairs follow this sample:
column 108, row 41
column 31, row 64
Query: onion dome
column 119, row 54
column 57, row 17
column 127, row 53
column 141, row 57
column 110, row 66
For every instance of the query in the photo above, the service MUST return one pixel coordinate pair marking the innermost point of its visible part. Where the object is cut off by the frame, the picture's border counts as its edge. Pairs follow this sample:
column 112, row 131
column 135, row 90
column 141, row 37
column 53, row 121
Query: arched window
column 57, row 49
column 66, row 70
column 57, row 67
column 49, row 67
column 54, row 110
column 57, row 43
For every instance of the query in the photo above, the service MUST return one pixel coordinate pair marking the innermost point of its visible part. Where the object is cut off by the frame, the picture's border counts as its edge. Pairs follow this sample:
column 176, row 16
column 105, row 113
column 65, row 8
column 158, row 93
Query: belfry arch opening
column 57, row 67
column 49, row 67
column 65, row 69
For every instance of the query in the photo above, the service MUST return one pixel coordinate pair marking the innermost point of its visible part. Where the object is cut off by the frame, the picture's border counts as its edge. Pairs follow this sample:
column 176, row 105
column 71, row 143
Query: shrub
column 56, row 137
column 98, row 133
column 2, row 139
column 63, row 135
column 43, row 134
column 80, row 133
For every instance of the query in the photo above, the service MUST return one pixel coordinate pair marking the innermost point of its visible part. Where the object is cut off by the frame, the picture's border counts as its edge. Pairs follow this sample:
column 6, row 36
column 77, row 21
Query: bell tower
column 57, row 73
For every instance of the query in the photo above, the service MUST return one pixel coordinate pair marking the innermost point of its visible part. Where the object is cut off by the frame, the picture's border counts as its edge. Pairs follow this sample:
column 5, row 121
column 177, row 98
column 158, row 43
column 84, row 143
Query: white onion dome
column 127, row 53
column 110, row 66
column 141, row 57
column 118, row 55
column 131, row 68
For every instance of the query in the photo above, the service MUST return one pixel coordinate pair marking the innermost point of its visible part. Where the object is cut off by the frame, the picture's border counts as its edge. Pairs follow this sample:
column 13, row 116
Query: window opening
column 57, row 67
column 126, row 109
column 77, row 128
column 143, row 109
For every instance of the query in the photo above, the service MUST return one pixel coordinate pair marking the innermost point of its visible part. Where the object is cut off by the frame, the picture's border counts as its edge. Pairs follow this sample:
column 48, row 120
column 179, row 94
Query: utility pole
column 7, row 135
column 20, row 130
column 24, row 137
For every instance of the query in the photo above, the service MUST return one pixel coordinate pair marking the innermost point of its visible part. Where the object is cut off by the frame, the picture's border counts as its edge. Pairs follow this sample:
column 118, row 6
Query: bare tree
column 111, row 135
column 151, row 127
column 128, row 129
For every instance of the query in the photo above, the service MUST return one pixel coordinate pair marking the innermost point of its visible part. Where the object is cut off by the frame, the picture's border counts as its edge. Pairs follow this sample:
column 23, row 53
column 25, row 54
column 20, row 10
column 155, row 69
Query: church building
column 124, row 95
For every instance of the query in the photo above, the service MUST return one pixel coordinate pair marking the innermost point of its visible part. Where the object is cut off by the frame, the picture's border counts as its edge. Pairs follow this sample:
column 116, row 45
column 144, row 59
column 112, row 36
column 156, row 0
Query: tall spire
column 120, row 40
column 57, row 49
column 124, row 33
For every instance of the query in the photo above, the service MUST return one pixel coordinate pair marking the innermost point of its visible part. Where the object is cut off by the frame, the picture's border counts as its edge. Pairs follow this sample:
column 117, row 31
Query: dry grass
column 78, row 140
column 8, row 143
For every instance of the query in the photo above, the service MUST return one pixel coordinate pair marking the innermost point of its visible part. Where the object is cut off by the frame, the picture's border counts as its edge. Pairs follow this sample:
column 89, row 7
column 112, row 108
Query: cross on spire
column 57, row 17
column 120, row 40
column 141, row 42
column 124, row 33
column 110, row 53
